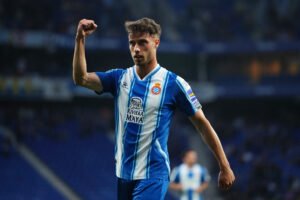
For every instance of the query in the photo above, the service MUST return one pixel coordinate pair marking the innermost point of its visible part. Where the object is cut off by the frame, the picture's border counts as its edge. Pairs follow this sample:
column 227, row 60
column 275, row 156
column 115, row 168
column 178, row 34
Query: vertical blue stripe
column 190, row 194
column 125, row 127
column 157, row 124
column 140, row 127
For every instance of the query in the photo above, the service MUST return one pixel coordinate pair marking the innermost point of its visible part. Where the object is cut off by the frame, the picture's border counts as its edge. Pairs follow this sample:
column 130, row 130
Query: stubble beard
column 140, row 62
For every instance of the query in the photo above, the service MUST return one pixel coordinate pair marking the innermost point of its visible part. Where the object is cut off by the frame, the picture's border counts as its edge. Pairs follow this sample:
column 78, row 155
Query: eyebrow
column 138, row 40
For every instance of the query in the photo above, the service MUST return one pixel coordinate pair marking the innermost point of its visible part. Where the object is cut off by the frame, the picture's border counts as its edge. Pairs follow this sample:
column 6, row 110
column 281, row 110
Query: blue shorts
column 145, row 189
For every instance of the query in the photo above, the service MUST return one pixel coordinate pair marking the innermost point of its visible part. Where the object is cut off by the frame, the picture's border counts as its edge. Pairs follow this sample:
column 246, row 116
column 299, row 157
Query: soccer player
column 189, row 179
column 145, row 97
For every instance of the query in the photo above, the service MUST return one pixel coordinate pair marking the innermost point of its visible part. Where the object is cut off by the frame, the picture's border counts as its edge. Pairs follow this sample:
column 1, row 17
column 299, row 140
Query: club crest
column 156, row 89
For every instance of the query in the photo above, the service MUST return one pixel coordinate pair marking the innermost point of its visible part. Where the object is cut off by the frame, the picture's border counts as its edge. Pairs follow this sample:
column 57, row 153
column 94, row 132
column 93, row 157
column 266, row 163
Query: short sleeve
column 110, row 80
column 185, row 99
column 205, row 175
column 175, row 175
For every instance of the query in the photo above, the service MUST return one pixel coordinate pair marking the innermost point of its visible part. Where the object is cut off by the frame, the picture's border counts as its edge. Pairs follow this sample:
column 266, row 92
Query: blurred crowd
column 270, row 68
column 262, row 143
column 193, row 20
column 57, row 122
column 262, row 146
column 61, row 121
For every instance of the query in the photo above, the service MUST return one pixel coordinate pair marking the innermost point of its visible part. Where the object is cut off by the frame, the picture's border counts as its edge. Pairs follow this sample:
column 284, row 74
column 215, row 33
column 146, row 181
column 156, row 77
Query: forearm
column 79, row 61
column 175, row 186
column 202, row 187
column 212, row 140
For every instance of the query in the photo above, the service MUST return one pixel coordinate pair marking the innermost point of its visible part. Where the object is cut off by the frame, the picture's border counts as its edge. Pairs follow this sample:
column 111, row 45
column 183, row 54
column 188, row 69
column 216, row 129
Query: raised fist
column 85, row 28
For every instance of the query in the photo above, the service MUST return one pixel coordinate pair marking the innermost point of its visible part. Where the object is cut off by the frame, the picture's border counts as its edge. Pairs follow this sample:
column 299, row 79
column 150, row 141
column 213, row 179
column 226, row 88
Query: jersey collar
column 153, row 71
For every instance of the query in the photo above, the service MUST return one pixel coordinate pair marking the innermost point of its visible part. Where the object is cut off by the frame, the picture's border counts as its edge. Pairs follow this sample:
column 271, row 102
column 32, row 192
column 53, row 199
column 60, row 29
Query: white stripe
column 164, row 155
column 150, row 120
column 184, row 196
column 196, row 196
column 122, row 106
column 174, row 174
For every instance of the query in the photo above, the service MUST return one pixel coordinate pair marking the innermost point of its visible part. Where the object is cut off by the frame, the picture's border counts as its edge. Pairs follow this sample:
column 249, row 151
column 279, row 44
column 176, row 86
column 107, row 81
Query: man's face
column 190, row 158
column 142, row 48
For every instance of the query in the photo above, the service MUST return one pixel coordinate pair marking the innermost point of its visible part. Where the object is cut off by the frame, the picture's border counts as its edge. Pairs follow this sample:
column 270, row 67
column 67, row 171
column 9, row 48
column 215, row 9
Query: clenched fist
column 226, row 178
column 85, row 27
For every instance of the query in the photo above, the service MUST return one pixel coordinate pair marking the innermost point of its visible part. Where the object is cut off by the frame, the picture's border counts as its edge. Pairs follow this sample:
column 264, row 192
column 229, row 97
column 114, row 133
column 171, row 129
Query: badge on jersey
column 156, row 89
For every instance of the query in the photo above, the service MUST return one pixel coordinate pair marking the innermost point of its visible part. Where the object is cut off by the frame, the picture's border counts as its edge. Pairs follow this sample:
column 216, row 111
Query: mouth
column 138, row 56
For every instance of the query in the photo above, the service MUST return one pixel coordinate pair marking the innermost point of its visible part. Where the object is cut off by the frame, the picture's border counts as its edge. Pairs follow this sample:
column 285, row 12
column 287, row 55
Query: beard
column 140, row 61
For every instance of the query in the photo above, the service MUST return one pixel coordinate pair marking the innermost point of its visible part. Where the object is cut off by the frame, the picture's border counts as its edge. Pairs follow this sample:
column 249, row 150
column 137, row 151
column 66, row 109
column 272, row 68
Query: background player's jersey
column 190, row 179
column 143, row 111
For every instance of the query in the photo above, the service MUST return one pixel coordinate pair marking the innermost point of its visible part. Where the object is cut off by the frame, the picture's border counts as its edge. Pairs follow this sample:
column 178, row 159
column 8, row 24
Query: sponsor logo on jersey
column 156, row 89
column 193, row 99
column 135, row 113
column 124, row 84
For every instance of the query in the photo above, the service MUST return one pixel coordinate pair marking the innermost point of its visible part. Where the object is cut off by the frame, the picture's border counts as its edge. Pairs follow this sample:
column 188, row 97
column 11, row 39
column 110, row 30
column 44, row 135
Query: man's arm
column 202, row 187
column 80, row 75
column 203, row 126
column 175, row 186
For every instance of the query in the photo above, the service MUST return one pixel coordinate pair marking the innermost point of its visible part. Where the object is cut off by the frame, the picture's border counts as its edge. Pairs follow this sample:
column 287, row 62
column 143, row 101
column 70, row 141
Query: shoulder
column 198, row 167
column 183, row 84
column 175, row 169
column 176, row 79
column 171, row 76
column 178, row 84
column 202, row 168
column 119, row 72
column 112, row 71
column 178, row 167
column 182, row 167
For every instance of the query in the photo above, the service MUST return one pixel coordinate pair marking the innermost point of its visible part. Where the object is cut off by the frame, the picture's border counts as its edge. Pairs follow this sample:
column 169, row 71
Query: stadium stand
column 199, row 21
column 246, row 51
column 20, row 181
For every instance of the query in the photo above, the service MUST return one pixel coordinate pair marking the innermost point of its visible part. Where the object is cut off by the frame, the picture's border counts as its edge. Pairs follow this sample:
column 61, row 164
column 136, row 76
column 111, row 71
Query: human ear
column 157, row 42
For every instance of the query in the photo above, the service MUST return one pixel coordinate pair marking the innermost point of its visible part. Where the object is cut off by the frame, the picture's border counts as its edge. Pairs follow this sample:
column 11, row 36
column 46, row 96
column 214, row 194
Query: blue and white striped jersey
column 190, row 179
column 143, row 112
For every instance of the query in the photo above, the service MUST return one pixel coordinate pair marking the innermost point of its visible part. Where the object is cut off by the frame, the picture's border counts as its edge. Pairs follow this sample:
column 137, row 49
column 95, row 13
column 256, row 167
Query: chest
column 190, row 174
column 190, row 177
column 148, row 94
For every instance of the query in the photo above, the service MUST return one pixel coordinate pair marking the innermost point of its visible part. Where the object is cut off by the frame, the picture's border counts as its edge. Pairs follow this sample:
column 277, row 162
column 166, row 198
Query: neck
column 190, row 165
column 143, row 70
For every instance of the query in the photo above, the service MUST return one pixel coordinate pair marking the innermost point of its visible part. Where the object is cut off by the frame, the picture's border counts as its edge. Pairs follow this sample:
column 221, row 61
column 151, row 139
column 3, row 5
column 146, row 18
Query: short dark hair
column 144, row 25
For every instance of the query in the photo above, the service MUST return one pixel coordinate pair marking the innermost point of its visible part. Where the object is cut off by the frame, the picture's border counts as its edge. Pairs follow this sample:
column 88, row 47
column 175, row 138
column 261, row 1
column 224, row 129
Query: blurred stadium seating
column 20, row 181
column 241, row 57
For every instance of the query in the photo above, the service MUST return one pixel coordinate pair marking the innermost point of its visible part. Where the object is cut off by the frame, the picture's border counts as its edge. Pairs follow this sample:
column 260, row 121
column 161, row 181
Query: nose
column 136, row 48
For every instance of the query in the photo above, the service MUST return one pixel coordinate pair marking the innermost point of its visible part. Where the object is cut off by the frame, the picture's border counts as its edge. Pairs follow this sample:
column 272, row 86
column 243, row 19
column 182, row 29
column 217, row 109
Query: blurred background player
column 190, row 179
column 146, row 96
